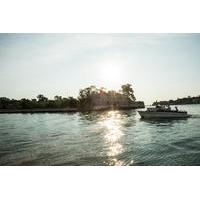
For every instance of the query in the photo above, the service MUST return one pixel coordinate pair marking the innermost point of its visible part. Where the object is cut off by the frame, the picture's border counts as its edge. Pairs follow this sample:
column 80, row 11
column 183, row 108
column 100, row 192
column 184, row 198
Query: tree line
column 40, row 102
column 84, row 99
column 180, row 101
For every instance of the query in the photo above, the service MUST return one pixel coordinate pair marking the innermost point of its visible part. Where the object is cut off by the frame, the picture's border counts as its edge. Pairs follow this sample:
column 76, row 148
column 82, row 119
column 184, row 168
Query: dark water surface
column 99, row 138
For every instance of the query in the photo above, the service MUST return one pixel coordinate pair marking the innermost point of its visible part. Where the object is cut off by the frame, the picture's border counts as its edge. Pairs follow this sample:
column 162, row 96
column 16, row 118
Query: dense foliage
column 84, row 99
column 87, row 95
column 40, row 102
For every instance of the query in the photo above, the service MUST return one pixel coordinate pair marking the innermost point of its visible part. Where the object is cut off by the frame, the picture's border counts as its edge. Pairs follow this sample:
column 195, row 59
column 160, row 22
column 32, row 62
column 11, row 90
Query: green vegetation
column 41, row 102
column 179, row 101
column 87, row 99
column 92, row 96
column 128, row 92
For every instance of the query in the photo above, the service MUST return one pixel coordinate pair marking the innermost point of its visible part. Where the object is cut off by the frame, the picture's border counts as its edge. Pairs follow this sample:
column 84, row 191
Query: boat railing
column 164, row 110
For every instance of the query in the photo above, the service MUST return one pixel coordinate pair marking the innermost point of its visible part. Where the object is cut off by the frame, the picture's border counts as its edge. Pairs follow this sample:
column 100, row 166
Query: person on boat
column 176, row 109
column 168, row 108
column 159, row 108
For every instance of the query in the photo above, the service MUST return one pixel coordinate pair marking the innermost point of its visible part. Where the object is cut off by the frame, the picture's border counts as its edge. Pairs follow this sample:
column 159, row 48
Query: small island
column 89, row 99
column 180, row 101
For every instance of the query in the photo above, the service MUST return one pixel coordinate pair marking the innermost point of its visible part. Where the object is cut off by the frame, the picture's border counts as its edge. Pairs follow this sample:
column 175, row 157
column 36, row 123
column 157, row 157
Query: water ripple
column 99, row 138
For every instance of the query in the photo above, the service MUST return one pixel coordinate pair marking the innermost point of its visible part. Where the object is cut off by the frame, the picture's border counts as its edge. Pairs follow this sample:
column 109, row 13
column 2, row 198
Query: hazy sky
column 160, row 66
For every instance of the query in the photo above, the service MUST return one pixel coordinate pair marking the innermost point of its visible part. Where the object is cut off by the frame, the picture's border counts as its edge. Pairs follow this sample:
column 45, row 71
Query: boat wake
column 195, row 116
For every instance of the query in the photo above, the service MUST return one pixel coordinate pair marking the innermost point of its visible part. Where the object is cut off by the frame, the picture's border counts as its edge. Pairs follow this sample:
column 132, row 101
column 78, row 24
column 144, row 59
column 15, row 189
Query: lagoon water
column 99, row 138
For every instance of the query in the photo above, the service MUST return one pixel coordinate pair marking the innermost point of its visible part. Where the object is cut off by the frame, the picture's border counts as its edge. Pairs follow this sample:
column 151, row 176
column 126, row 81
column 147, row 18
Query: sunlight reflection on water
column 112, row 123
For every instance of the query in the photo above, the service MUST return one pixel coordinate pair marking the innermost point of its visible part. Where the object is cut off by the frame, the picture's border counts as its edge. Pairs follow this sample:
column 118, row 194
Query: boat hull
column 166, row 115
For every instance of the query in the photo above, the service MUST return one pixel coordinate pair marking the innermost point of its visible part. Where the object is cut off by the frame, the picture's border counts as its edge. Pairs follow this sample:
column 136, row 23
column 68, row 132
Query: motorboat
column 163, row 112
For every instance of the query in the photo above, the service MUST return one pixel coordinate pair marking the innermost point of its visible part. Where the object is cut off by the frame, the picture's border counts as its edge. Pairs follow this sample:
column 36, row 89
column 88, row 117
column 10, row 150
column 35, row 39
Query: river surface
column 99, row 138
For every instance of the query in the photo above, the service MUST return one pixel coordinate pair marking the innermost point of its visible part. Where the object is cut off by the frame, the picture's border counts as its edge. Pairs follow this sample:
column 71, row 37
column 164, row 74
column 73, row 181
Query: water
column 99, row 138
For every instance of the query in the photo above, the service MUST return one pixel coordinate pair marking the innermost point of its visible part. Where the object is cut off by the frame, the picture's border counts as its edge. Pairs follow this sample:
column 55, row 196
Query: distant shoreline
column 63, row 110
column 71, row 110
column 180, row 101
column 53, row 110
column 175, row 104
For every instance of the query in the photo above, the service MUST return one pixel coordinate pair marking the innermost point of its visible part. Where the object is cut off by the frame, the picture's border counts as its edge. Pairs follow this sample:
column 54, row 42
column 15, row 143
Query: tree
column 85, row 97
column 128, row 92
column 72, row 102
column 58, row 101
column 25, row 103
column 4, row 102
column 34, row 103
column 58, row 98
column 93, row 89
column 42, row 98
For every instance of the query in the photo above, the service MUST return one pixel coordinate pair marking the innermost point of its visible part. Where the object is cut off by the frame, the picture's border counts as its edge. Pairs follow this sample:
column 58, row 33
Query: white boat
column 163, row 112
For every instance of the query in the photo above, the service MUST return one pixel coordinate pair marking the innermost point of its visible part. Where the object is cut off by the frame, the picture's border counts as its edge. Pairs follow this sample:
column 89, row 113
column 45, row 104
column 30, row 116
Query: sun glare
column 110, row 74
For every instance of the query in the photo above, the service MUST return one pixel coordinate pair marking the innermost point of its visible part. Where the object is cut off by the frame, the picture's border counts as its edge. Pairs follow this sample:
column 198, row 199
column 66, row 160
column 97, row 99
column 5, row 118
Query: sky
column 159, row 66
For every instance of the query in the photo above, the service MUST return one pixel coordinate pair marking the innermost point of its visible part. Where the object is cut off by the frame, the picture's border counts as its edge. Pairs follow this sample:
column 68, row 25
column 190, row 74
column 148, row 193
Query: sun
column 110, row 73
